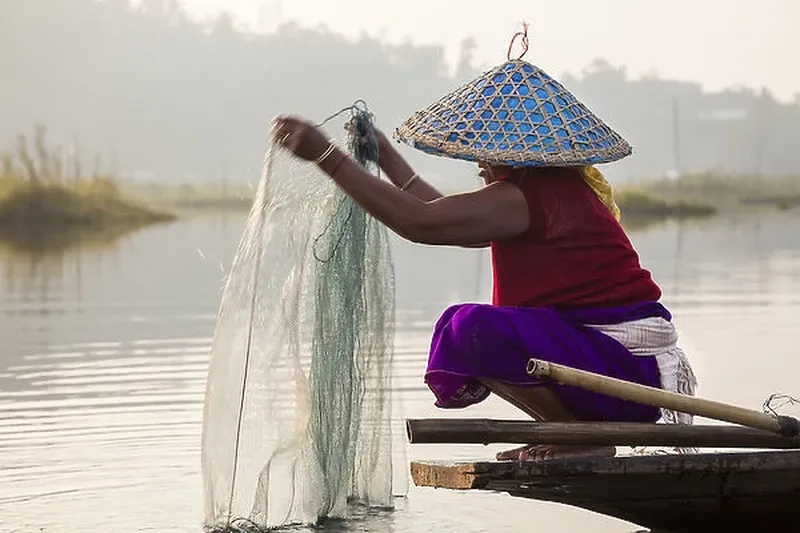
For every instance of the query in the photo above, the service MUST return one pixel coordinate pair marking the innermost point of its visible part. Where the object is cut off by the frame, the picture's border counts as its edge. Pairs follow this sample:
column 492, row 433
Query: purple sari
column 474, row 341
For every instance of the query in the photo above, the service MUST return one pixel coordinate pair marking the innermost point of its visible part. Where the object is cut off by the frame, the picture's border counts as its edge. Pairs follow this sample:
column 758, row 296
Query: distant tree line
column 161, row 95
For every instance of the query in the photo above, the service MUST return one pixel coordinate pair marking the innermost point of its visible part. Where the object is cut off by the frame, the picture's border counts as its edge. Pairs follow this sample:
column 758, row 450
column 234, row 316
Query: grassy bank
column 39, row 198
column 703, row 195
column 640, row 205
column 85, row 204
column 729, row 192
column 37, row 216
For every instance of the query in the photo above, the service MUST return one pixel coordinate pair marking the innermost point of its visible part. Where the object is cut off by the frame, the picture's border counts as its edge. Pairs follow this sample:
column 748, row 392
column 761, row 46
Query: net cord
column 248, row 348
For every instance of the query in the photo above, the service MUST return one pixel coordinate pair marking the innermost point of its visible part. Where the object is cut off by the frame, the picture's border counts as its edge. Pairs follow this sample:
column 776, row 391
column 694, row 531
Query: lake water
column 104, row 351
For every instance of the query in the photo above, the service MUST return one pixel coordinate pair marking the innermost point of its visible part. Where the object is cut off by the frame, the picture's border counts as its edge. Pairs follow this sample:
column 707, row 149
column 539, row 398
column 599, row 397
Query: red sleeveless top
column 574, row 254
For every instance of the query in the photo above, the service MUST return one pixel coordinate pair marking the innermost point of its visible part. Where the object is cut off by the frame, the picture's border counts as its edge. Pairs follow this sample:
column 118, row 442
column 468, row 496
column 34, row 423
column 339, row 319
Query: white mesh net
column 297, row 418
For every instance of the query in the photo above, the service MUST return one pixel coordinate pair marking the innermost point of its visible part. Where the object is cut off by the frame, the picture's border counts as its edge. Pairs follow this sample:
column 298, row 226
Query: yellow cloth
column 601, row 188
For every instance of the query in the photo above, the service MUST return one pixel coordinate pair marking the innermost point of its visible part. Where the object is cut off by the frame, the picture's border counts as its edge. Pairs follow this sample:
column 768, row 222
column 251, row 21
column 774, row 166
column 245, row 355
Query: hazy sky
column 717, row 42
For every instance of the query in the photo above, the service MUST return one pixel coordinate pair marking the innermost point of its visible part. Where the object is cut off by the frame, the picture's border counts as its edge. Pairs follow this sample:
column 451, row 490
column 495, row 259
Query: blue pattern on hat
column 515, row 115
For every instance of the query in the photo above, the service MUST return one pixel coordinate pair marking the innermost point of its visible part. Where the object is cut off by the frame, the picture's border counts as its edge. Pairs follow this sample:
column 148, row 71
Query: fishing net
column 297, row 416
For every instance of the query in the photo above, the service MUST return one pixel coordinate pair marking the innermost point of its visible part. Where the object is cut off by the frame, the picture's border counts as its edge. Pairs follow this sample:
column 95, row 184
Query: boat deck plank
column 740, row 491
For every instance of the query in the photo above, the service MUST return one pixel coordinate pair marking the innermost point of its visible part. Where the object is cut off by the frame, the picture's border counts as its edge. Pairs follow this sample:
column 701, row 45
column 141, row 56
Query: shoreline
column 36, row 215
column 46, row 198
column 37, row 212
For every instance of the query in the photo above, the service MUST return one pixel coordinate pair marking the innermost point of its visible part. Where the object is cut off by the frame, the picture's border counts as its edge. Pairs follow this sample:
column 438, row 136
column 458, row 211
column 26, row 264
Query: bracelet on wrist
column 411, row 180
column 337, row 165
column 328, row 151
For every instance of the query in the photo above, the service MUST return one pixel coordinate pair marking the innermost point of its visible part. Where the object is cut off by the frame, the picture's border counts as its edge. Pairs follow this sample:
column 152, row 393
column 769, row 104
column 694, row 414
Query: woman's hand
column 300, row 137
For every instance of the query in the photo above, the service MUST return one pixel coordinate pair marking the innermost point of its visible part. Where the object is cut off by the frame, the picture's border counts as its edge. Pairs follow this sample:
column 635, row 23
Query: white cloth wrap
column 657, row 337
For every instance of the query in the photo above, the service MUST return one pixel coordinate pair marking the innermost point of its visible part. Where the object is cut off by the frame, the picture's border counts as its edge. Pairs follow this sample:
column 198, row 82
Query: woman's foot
column 545, row 452
column 512, row 455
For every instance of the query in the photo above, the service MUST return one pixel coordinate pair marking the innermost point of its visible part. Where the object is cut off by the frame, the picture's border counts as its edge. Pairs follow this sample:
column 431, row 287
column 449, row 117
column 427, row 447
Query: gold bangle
column 328, row 151
column 410, row 181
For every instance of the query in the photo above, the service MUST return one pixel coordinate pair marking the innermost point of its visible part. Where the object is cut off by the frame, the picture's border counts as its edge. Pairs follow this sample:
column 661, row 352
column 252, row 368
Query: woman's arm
column 401, row 173
column 498, row 211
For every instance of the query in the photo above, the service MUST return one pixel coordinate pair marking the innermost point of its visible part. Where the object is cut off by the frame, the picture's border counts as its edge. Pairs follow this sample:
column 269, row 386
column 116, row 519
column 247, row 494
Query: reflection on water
column 105, row 350
column 34, row 242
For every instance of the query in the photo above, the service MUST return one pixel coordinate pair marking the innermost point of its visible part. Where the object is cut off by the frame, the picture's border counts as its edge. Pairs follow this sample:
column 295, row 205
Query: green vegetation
column 729, row 192
column 704, row 195
column 638, row 204
column 41, row 199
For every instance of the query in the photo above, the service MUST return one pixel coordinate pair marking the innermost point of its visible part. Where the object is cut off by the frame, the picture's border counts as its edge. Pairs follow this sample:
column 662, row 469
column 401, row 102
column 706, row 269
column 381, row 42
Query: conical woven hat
column 514, row 115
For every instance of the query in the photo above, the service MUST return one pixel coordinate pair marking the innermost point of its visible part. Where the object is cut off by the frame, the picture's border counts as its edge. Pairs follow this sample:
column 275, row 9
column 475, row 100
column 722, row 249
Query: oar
column 625, row 390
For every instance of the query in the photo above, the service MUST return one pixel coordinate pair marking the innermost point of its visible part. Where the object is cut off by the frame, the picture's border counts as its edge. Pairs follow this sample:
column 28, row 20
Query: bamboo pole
column 486, row 431
column 782, row 425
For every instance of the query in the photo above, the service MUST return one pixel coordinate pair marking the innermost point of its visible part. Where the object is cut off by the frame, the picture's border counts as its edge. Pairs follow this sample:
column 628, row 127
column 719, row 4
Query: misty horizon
column 150, row 92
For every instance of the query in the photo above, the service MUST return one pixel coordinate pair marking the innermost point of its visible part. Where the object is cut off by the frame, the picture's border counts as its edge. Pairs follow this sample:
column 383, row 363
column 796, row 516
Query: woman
column 568, row 286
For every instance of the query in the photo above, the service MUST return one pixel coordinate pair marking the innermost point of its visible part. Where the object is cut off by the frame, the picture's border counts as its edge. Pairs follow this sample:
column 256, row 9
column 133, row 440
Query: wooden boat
column 741, row 491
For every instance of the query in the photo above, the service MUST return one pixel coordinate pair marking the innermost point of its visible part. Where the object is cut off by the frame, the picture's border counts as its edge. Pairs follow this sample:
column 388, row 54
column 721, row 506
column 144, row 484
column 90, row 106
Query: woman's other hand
column 300, row 137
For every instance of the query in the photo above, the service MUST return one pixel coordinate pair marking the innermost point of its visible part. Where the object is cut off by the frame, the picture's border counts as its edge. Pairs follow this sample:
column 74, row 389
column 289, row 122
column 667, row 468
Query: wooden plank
column 734, row 491
column 486, row 431
column 705, row 463
column 449, row 475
